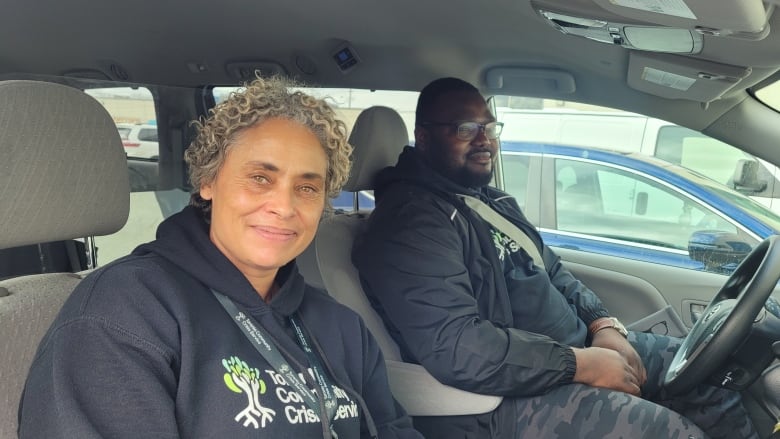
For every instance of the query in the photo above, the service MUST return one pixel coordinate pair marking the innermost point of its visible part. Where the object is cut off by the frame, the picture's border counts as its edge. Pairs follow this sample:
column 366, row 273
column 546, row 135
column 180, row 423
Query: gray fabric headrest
column 63, row 171
column 378, row 136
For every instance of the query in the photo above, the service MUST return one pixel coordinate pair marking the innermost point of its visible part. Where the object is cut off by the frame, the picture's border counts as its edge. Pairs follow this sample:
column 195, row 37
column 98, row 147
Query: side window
column 147, row 134
column 607, row 202
column 560, row 122
column 698, row 152
column 515, row 168
column 134, row 112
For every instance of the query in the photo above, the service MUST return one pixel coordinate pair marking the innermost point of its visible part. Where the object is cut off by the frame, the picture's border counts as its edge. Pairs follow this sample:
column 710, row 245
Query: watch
column 607, row 322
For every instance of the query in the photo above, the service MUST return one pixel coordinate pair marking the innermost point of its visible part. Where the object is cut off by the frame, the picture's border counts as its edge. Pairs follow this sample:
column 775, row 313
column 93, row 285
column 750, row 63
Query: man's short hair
column 431, row 93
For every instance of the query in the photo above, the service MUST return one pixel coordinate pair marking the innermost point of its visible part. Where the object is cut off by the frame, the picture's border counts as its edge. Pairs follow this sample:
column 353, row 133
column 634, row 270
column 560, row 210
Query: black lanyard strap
column 328, row 394
column 265, row 345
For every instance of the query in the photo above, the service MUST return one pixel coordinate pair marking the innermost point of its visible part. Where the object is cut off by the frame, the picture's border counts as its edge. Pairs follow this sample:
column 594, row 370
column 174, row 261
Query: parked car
column 139, row 140
column 631, row 132
column 631, row 205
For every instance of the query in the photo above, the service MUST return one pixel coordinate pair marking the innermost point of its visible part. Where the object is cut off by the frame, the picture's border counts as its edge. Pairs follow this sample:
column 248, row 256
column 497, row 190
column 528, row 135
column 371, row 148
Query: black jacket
column 482, row 323
column 143, row 349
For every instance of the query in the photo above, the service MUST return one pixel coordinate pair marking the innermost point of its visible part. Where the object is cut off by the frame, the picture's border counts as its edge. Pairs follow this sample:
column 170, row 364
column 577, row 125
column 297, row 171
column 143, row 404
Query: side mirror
column 745, row 177
column 719, row 251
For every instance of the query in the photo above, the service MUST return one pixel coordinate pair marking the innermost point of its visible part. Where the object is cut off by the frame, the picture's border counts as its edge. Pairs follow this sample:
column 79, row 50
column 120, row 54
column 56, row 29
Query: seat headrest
column 63, row 170
column 378, row 137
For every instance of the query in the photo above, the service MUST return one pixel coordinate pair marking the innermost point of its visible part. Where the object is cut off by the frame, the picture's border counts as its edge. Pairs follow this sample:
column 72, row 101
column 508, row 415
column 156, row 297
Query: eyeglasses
column 470, row 130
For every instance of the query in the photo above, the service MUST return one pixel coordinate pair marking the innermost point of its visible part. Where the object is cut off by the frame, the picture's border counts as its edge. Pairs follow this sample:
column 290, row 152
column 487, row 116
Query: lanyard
column 328, row 395
column 264, row 344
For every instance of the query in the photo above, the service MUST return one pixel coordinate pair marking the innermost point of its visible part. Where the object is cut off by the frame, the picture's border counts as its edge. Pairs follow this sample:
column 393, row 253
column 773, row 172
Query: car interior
column 75, row 199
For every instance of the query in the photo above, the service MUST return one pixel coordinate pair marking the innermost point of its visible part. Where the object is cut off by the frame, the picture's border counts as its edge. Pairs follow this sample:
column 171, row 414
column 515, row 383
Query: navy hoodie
column 142, row 348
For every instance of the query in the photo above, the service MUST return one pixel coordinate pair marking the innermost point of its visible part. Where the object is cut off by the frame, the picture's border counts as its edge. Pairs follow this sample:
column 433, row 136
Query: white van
column 630, row 132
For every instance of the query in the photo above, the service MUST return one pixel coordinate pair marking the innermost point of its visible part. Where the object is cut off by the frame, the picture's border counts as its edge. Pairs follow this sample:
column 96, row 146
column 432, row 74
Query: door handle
column 697, row 309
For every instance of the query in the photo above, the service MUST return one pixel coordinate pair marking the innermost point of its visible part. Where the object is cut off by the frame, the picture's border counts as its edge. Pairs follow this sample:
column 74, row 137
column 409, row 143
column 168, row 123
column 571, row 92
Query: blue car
column 633, row 206
column 345, row 202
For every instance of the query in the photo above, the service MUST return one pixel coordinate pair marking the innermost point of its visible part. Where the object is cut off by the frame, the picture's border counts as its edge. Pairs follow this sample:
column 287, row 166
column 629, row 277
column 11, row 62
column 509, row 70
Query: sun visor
column 529, row 81
column 727, row 18
column 630, row 36
column 679, row 77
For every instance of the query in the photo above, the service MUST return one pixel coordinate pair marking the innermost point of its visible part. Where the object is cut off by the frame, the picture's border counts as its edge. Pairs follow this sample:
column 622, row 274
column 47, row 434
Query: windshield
column 770, row 95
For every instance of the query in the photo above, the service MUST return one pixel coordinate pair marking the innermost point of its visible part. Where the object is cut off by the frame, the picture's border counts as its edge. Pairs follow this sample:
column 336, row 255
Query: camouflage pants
column 578, row 411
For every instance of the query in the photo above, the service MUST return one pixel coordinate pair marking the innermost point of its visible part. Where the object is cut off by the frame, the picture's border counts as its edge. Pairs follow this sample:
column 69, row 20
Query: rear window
column 148, row 134
column 348, row 103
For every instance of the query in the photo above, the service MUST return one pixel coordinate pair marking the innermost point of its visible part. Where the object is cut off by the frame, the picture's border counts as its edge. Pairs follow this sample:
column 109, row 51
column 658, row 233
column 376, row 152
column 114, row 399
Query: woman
column 209, row 331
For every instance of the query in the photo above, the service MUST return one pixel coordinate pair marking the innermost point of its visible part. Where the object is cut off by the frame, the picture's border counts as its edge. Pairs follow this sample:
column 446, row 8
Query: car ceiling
column 402, row 44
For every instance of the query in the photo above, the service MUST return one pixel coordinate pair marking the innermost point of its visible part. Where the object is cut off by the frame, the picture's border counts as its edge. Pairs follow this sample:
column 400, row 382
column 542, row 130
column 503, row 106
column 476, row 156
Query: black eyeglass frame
column 499, row 126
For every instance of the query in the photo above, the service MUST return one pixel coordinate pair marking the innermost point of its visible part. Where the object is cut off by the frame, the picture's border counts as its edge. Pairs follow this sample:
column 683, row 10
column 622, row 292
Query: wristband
column 607, row 322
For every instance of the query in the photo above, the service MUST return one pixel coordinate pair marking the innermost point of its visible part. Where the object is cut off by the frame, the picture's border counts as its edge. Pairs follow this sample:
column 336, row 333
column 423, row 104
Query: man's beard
column 461, row 175
column 465, row 177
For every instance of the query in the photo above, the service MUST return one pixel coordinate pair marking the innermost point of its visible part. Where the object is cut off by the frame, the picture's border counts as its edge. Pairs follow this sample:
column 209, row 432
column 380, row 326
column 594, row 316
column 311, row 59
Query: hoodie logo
column 504, row 244
column 241, row 378
column 499, row 246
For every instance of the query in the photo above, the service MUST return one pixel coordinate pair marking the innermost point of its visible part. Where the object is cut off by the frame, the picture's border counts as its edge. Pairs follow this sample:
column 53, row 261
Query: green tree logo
column 241, row 378
column 499, row 243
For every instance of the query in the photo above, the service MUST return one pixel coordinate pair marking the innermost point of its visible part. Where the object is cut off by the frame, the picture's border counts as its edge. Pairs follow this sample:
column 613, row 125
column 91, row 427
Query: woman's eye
column 309, row 190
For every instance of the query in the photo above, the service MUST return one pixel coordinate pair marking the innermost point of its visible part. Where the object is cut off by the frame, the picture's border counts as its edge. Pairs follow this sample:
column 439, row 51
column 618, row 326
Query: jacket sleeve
column 389, row 417
column 588, row 305
column 411, row 263
column 117, row 385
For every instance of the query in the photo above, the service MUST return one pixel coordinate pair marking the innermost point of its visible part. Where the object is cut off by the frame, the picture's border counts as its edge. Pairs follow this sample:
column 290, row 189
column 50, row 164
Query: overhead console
column 674, row 44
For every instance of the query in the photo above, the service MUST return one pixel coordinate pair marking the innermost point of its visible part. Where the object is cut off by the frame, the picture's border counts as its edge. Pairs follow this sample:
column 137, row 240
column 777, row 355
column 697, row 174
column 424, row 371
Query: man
column 488, row 314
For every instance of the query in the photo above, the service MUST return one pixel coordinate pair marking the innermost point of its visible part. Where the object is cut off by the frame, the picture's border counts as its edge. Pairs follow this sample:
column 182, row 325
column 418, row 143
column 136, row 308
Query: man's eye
column 466, row 129
column 260, row 178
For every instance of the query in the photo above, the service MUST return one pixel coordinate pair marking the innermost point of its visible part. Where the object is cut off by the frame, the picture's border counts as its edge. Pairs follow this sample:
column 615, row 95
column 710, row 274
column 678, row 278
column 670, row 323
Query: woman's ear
column 206, row 191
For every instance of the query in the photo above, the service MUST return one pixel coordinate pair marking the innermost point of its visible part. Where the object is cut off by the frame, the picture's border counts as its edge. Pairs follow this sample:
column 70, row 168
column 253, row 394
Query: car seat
column 580, row 197
column 378, row 136
column 64, row 176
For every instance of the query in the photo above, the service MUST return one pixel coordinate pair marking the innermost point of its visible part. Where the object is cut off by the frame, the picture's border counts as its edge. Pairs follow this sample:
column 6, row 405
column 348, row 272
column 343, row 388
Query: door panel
column 633, row 289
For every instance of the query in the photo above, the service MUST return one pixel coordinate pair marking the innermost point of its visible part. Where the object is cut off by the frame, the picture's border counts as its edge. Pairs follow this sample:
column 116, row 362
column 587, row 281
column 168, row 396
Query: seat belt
column 504, row 226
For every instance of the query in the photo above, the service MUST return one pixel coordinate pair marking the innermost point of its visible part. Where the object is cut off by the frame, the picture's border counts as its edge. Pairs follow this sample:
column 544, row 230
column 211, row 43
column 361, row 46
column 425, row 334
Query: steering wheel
column 727, row 320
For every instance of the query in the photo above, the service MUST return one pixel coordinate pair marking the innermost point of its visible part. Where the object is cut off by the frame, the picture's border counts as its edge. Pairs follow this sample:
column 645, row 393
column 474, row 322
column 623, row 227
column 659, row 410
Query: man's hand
column 611, row 339
column 601, row 367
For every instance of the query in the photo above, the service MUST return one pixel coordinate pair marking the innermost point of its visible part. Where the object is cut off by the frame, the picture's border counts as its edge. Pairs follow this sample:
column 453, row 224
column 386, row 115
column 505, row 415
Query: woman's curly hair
column 258, row 101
